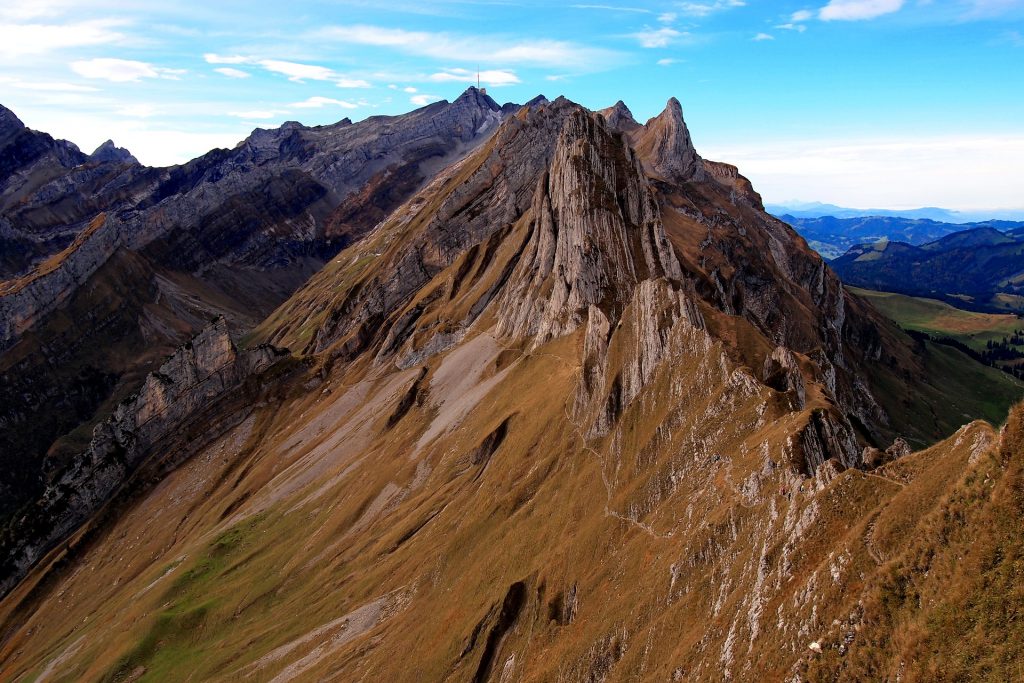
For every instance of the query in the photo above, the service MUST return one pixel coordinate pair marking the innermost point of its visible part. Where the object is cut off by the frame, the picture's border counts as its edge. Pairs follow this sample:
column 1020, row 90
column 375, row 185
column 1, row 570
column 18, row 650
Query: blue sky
column 867, row 103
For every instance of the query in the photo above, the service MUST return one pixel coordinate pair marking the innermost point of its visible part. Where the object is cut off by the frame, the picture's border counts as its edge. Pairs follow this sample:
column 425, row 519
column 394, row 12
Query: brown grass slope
column 528, row 445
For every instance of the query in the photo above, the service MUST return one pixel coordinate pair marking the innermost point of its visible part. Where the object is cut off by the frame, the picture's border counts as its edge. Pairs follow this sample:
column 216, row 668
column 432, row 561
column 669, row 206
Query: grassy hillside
column 939, row 319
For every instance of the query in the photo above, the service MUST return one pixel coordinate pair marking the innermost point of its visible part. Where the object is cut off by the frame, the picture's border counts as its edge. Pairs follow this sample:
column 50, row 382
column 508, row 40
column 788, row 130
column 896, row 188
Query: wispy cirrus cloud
column 122, row 70
column 297, row 72
column 654, row 38
column 19, row 40
column 489, row 49
column 703, row 9
column 423, row 100
column 857, row 10
column 492, row 78
column 316, row 102
column 231, row 72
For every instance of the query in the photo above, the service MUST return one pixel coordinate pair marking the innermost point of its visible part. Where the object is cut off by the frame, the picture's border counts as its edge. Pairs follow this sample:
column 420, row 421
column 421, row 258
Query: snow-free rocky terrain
column 565, row 405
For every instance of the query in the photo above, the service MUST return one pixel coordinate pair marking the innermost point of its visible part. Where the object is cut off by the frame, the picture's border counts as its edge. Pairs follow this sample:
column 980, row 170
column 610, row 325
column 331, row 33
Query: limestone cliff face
column 193, row 380
column 596, row 233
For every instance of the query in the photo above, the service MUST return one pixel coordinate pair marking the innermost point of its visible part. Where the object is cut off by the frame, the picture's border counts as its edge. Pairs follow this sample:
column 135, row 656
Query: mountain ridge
column 575, row 408
column 977, row 269
column 161, row 251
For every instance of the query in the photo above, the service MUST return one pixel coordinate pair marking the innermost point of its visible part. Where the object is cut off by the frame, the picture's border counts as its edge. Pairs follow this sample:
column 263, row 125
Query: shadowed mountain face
column 109, row 265
column 979, row 269
column 576, row 409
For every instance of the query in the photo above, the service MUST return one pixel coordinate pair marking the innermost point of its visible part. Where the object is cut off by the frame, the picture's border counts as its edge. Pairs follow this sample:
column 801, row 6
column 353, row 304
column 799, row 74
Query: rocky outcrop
column 729, row 175
column 782, row 373
column 826, row 436
column 665, row 146
column 171, row 400
column 108, row 151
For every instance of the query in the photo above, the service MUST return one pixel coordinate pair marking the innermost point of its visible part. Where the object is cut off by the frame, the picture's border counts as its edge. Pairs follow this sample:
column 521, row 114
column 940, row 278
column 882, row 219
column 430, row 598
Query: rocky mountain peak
column 475, row 97
column 8, row 120
column 597, row 234
column 666, row 148
column 108, row 151
column 10, row 125
column 619, row 117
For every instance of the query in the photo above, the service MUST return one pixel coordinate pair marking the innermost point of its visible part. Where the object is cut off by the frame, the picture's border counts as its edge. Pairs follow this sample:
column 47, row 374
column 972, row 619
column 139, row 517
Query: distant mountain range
column 818, row 210
column 832, row 237
column 979, row 269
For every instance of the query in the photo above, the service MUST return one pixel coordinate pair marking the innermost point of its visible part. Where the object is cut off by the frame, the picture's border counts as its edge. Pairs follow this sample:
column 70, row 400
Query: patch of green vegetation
column 939, row 319
column 174, row 641
column 957, row 389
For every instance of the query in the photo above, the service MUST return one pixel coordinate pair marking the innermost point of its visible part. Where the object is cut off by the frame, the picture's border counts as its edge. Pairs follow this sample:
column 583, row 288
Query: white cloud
column 487, row 49
column 214, row 58
column 855, row 10
column 423, row 100
column 667, row 61
column 799, row 28
column 652, row 38
column 297, row 72
column 959, row 172
column 802, row 15
column 24, row 40
column 317, row 102
column 495, row 78
column 232, row 73
column 344, row 82
column 409, row 89
column 703, row 9
column 122, row 70
column 667, row 17
column 763, row 36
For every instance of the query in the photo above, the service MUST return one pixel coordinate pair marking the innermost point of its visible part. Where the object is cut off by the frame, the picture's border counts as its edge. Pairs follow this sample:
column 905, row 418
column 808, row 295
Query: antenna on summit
column 483, row 91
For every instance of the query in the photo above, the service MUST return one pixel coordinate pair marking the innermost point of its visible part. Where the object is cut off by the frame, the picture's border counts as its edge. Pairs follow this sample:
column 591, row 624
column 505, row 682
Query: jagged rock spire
column 666, row 147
